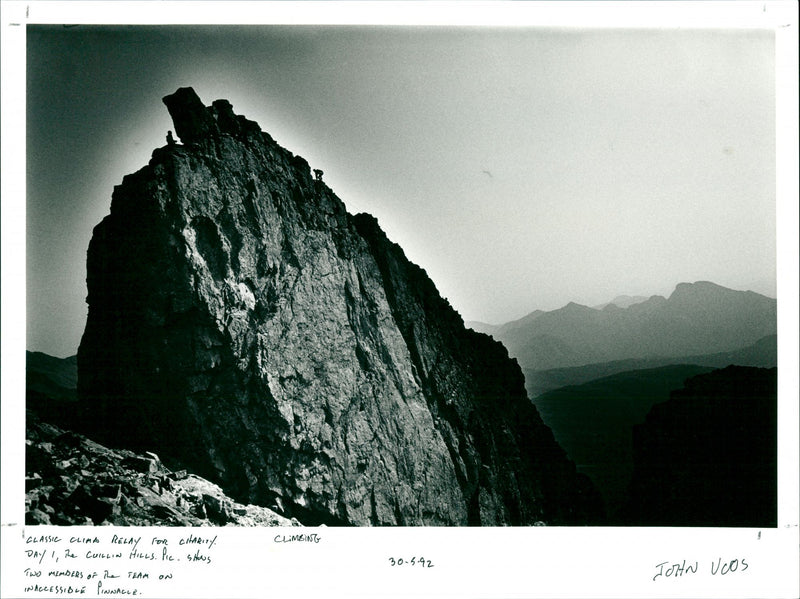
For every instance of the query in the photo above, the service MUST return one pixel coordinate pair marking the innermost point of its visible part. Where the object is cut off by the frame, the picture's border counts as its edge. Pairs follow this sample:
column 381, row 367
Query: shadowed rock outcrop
column 243, row 323
column 709, row 455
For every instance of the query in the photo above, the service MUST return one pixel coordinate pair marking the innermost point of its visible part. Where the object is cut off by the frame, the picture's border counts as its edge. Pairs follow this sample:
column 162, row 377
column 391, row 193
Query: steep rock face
column 241, row 322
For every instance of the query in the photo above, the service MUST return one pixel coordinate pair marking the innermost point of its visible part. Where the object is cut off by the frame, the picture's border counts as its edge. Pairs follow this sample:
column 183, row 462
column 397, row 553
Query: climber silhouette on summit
column 318, row 174
column 170, row 139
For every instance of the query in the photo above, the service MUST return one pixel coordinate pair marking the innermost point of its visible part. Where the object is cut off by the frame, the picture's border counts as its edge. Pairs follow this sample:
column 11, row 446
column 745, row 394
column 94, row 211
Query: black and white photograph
column 463, row 277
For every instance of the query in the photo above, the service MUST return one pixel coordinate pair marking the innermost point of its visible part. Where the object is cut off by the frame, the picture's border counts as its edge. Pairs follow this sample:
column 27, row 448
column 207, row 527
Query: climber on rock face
column 318, row 174
column 170, row 139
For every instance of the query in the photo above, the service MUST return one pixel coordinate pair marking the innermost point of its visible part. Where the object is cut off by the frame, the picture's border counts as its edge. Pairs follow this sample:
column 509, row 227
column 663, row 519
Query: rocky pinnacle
column 243, row 324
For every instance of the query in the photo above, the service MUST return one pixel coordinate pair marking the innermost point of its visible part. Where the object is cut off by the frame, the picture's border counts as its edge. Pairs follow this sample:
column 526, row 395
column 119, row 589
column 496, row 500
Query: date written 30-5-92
column 414, row 561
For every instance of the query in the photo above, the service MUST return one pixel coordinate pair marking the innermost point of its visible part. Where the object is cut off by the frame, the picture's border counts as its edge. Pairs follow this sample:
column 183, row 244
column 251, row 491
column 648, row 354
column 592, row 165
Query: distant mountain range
column 697, row 319
column 51, row 376
column 623, row 301
column 51, row 387
column 48, row 378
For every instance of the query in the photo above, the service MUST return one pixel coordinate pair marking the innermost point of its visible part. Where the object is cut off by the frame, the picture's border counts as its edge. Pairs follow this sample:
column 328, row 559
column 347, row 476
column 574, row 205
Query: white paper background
column 535, row 562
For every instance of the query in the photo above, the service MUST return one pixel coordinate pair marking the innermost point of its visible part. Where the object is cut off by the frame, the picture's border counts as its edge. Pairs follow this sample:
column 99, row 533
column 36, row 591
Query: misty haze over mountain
column 698, row 318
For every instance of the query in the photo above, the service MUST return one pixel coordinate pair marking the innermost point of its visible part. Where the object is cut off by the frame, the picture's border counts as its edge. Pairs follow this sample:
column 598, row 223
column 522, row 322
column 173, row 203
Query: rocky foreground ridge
column 71, row 480
column 243, row 324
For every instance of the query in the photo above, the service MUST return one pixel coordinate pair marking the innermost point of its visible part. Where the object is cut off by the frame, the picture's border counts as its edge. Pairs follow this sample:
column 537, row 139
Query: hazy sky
column 522, row 168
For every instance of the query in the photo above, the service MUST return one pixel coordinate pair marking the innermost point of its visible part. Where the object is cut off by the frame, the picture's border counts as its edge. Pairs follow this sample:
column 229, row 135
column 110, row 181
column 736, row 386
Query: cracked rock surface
column 243, row 324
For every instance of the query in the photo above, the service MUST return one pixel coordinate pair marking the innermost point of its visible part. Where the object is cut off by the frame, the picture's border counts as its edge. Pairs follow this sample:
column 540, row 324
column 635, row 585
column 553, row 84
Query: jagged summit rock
column 242, row 323
column 194, row 122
